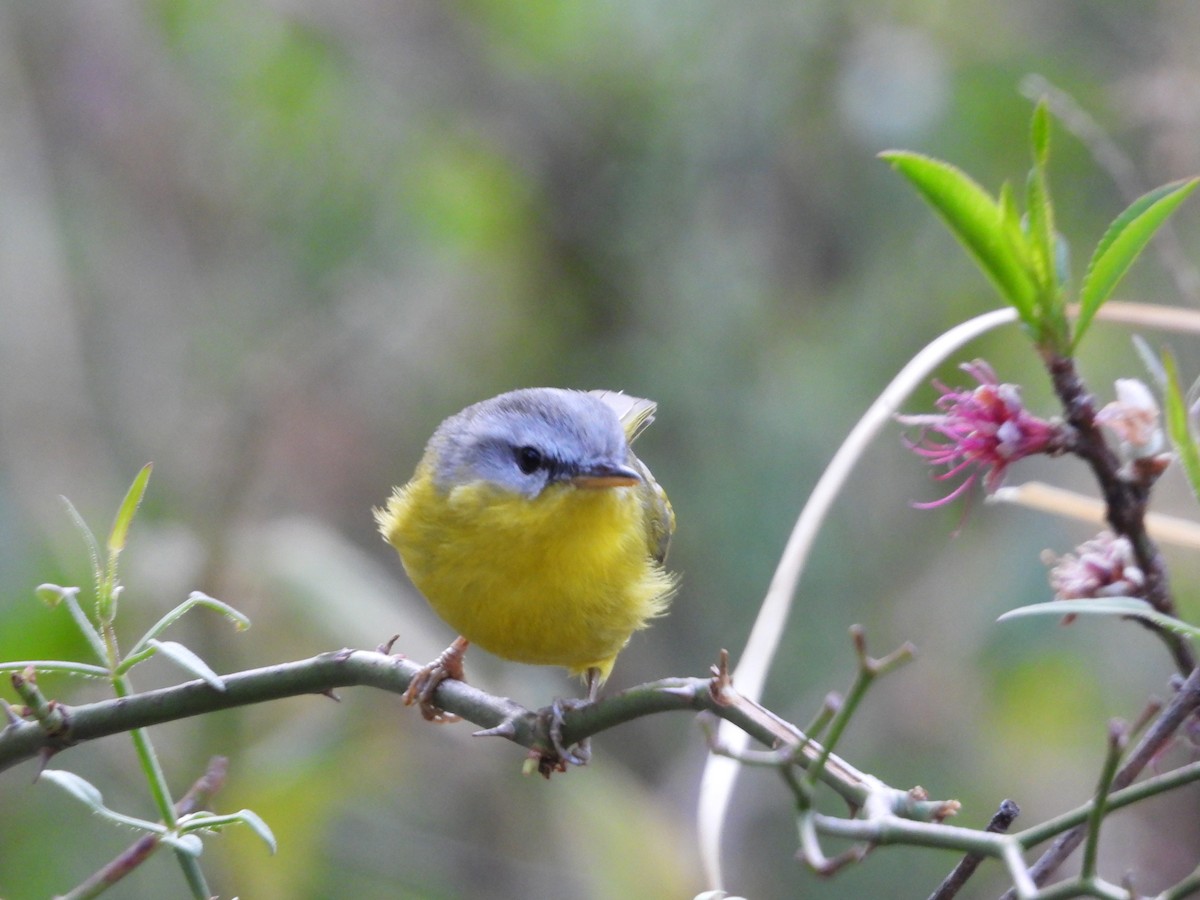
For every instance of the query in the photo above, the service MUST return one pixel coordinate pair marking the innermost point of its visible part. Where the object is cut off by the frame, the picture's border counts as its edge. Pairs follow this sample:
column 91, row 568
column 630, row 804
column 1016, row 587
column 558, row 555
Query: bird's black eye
column 529, row 459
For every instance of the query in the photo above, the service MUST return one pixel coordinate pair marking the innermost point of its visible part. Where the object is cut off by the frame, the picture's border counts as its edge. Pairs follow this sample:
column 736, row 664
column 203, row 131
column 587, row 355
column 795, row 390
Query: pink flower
column 1133, row 418
column 1101, row 567
column 980, row 432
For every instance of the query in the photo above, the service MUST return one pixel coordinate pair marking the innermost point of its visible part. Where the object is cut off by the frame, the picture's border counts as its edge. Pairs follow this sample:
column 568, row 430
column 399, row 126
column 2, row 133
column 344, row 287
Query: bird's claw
column 427, row 679
column 420, row 691
column 577, row 754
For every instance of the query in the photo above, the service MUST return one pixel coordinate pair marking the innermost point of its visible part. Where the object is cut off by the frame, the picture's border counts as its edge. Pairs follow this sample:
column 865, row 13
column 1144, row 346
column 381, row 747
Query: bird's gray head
column 525, row 440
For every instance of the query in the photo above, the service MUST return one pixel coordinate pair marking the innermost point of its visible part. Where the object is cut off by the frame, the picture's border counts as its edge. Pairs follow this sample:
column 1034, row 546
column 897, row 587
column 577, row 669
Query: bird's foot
column 425, row 682
column 559, row 755
column 576, row 754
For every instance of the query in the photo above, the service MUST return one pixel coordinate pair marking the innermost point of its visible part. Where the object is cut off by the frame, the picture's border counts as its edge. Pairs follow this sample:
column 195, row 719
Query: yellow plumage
column 554, row 567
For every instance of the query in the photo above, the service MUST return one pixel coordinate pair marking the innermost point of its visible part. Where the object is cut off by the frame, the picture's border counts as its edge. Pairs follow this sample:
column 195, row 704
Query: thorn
column 328, row 692
column 10, row 714
column 44, row 757
column 505, row 729
column 342, row 655
column 386, row 647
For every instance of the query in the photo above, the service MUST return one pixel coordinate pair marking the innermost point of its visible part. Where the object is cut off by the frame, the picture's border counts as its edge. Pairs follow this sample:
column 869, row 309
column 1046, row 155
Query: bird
column 534, row 531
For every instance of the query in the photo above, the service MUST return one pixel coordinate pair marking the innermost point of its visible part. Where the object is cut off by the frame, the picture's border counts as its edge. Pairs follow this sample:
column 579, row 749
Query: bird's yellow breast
column 563, row 578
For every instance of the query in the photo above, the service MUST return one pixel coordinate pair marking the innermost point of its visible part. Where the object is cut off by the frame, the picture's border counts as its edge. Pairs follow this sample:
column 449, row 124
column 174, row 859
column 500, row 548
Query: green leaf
column 197, row 598
column 1041, row 210
column 1041, row 231
column 979, row 222
column 54, row 594
column 185, row 843
column 1039, row 134
column 89, row 538
column 84, row 791
column 259, row 827
column 210, row 821
column 1105, row 606
column 70, row 598
column 77, row 786
column 1175, row 416
column 1124, row 240
column 127, row 510
column 187, row 660
column 1062, row 260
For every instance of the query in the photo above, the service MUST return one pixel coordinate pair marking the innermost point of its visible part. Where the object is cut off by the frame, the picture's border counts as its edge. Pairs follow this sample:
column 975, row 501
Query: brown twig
column 960, row 874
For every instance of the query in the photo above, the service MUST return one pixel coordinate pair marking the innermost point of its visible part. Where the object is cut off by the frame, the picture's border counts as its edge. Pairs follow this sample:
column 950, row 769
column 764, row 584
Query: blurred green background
column 269, row 246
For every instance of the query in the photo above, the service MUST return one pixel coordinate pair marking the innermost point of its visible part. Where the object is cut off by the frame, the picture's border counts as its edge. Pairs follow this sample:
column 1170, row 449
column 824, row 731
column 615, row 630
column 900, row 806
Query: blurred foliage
column 271, row 246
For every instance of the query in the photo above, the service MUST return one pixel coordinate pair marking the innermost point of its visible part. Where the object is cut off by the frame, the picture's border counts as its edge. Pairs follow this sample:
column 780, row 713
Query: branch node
column 50, row 714
column 720, row 686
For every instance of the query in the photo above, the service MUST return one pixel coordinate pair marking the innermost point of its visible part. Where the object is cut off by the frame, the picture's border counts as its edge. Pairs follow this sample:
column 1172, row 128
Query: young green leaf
column 1175, row 414
column 203, row 820
column 259, row 827
column 86, row 792
column 89, row 538
column 53, row 594
column 1039, row 134
column 187, row 660
column 184, row 843
column 1041, row 211
column 978, row 221
column 1105, row 606
column 69, row 597
column 129, row 506
column 75, row 785
column 1124, row 240
column 197, row 598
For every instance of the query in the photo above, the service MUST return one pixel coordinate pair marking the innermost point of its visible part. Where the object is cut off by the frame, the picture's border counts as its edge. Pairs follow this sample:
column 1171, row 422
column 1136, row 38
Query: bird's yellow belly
column 563, row 579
